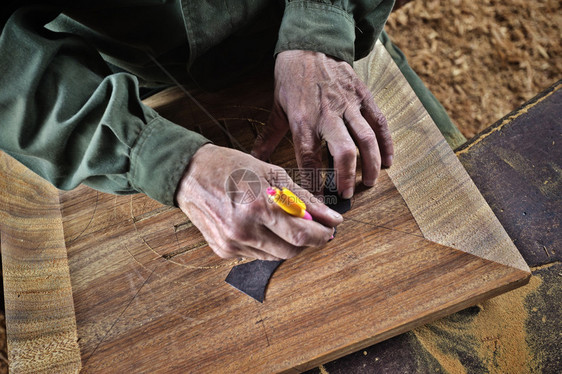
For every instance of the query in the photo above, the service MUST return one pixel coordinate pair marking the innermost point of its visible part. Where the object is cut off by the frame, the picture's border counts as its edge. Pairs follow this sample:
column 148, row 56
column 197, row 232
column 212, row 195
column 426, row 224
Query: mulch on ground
column 481, row 58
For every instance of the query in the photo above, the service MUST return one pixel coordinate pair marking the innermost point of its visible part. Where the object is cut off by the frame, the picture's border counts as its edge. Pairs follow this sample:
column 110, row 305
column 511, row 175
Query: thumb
column 271, row 134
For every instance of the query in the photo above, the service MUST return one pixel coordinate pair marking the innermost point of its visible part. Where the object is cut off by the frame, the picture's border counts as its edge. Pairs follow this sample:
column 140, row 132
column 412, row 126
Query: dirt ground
column 481, row 59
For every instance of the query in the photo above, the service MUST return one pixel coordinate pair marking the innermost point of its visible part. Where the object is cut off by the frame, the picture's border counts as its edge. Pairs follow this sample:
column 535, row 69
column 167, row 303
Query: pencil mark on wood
column 169, row 256
column 262, row 323
column 118, row 318
column 152, row 213
column 89, row 222
column 384, row 227
column 329, row 299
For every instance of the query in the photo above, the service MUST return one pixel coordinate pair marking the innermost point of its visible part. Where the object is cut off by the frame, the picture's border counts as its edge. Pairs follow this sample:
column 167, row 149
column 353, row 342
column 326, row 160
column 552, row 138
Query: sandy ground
column 481, row 59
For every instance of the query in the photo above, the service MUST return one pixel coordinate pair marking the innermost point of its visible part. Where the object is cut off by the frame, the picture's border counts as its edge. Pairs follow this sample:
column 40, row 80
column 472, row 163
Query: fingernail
column 347, row 193
column 388, row 160
column 336, row 215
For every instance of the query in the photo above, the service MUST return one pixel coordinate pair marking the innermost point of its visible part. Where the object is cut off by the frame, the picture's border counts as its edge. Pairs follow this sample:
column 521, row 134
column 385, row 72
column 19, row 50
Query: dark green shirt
column 66, row 116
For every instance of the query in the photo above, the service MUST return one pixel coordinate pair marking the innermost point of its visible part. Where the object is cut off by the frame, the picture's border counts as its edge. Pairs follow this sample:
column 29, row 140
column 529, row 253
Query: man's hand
column 318, row 97
column 248, row 227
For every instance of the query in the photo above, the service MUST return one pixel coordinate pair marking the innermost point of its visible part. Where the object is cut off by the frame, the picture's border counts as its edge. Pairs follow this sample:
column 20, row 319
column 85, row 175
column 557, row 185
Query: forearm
column 67, row 118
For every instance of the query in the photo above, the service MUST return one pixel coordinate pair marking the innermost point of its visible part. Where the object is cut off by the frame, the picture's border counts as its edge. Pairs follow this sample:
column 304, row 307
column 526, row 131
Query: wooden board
column 150, row 296
column 439, row 192
column 40, row 320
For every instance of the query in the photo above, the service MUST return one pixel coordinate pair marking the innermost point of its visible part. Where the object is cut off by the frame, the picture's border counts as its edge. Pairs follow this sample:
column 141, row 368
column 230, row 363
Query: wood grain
column 379, row 278
column 40, row 319
column 150, row 296
column 439, row 192
column 167, row 296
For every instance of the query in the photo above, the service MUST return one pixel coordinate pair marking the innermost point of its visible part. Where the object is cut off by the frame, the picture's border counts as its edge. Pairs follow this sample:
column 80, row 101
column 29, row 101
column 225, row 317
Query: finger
column 261, row 242
column 234, row 250
column 366, row 141
column 309, row 159
column 223, row 240
column 251, row 252
column 275, row 246
column 317, row 209
column 271, row 134
column 378, row 123
column 232, row 243
column 295, row 231
column 343, row 149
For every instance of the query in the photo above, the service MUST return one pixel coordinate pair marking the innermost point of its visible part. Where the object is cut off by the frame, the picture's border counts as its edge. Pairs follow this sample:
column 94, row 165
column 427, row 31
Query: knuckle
column 300, row 238
column 379, row 120
column 361, row 90
column 366, row 96
column 300, row 117
column 367, row 136
column 235, row 235
column 279, row 171
column 308, row 157
column 269, row 217
column 348, row 84
column 261, row 244
column 346, row 152
column 383, row 124
column 274, row 175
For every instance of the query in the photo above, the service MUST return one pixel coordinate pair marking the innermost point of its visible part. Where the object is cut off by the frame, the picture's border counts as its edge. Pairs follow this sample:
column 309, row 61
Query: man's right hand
column 251, row 227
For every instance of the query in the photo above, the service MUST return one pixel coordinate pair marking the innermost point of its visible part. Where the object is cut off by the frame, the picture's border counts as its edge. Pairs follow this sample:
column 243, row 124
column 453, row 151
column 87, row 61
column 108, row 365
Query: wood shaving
column 481, row 58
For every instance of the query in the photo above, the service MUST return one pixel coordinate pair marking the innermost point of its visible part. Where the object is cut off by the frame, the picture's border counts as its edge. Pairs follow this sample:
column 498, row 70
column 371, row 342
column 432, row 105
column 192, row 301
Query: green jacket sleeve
column 66, row 117
column 345, row 29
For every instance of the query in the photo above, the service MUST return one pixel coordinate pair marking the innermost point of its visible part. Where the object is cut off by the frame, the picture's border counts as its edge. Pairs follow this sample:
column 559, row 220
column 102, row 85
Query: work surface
column 517, row 165
column 149, row 295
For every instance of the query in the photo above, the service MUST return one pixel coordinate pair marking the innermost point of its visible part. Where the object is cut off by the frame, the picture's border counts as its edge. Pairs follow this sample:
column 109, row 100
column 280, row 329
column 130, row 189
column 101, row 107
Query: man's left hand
column 319, row 97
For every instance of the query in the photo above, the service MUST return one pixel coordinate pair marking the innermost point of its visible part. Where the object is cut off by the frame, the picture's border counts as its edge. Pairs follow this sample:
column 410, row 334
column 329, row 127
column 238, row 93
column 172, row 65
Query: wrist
column 192, row 169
